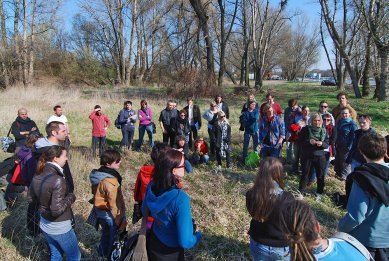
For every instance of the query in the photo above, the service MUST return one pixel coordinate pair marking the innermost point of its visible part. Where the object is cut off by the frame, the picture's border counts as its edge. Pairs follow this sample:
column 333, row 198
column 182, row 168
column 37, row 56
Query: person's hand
column 96, row 110
column 319, row 143
column 33, row 129
column 164, row 131
column 105, row 128
column 312, row 141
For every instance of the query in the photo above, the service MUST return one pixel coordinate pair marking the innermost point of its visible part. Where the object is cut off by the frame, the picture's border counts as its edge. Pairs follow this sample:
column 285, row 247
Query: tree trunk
column 17, row 43
column 383, row 54
column 32, row 54
column 366, row 69
column 4, row 53
column 24, row 44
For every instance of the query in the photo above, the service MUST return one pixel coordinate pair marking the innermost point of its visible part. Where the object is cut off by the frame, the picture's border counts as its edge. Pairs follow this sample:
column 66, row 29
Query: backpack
column 124, row 246
column 117, row 121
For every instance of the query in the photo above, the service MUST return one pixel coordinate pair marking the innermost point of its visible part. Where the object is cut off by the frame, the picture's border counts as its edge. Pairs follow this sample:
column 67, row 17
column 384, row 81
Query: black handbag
column 7, row 143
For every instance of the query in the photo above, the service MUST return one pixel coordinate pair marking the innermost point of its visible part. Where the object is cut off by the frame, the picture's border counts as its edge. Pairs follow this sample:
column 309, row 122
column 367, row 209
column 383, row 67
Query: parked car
column 328, row 82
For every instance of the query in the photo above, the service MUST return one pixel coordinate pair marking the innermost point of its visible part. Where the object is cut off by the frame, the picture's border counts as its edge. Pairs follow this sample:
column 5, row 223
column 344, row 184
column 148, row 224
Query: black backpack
column 117, row 122
column 124, row 246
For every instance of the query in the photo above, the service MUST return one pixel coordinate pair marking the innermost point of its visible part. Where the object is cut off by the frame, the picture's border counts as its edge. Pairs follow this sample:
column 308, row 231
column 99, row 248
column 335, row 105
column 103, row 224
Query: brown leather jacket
column 108, row 196
column 50, row 191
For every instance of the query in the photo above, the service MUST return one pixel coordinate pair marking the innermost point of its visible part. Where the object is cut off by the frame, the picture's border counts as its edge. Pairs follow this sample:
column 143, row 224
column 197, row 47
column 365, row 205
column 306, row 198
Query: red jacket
column 98, row 124
column 203, row 148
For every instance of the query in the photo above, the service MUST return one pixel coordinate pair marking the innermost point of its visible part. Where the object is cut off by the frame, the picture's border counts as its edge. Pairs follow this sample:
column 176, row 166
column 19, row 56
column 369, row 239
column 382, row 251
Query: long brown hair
column 163, row 177
column 260, row 198
column 48, row 156
column 298, row 223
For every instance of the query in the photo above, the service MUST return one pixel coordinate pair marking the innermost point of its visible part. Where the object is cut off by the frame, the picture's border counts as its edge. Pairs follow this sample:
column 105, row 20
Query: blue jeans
column 102, row 145
column 128, row 135
column 63, row 244
column 142, row 129
column 188, row 166
column 267, row 253
column 246, row 141
column 270, row 151
column 109, row 232
column 203, row 159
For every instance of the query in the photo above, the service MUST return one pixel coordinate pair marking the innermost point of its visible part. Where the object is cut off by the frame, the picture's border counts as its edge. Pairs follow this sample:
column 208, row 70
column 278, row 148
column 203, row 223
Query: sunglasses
column 182, row 115
column 181, row 166
column 327, row 119
column 323, row 106
column 222, row 116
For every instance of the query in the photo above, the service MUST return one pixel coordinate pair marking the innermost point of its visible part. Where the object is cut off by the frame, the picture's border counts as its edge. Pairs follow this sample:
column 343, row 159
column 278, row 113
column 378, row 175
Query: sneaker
column 299, row 196
column 219, row 168
column 318, row 197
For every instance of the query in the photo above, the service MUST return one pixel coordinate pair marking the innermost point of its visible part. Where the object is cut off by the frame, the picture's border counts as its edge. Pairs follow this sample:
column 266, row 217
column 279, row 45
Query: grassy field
column 217, row 198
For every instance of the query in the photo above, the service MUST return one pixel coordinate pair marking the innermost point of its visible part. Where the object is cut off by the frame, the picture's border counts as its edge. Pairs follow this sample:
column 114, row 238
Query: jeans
column 266, row 253
column 188, row 166
column 355, row 164
column 203, row 159
column 270, row 151
column 142, row 129
column 63, row 244
column 342, row 168
column 109, row 231
column 169, row 138
column 193, row 131
column 128, row 135
column 246, row 141
column 102, row 144
column 296, row 157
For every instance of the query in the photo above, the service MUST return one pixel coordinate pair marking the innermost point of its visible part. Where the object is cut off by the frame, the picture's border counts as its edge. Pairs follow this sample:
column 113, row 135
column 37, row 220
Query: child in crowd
column 108, row 200
column 201, row 151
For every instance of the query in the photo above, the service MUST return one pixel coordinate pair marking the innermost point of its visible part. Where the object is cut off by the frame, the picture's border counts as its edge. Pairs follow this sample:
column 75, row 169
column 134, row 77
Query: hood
column 43, row 142
column 373, row 178
column 97, row 176
column 24, row 153
column 147, row 171
column 158, row 203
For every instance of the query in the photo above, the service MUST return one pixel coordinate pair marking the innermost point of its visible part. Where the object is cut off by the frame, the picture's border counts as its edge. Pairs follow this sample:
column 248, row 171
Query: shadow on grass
column 217, row 247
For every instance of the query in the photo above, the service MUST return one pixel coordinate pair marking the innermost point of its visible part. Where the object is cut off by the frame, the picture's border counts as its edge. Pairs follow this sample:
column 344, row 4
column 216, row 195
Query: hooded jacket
column 145, row 176
column 107, row 193
column 368, row 206
column 173, row 224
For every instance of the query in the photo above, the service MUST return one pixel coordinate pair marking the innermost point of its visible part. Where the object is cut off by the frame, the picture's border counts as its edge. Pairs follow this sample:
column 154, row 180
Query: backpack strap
column 9, row 132
column 355, row 243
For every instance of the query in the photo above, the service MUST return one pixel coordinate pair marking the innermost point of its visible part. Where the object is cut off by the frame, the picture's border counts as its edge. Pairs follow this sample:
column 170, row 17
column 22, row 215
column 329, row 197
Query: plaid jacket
column 276, row 128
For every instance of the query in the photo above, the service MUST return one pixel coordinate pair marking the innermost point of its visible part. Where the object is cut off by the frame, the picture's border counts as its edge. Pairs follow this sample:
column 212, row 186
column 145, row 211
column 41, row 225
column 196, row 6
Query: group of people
column 282, row 227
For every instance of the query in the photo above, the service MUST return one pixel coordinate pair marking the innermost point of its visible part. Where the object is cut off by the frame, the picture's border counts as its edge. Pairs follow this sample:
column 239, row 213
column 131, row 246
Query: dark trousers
column 128, row 135
column 168, row 138
column 212, row 140
column 193, row 132
column 102, row 144
column 317, row 162
column 379, row 254
column 219, row 157
column 157, row 251
column 33, row 219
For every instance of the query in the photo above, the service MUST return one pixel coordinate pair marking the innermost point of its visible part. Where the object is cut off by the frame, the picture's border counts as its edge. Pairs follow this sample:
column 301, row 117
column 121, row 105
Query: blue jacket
column 124, row 115
column 354, row 152
column 250, row 121
column 173, row 224
column 367, row 218
column 345, row 136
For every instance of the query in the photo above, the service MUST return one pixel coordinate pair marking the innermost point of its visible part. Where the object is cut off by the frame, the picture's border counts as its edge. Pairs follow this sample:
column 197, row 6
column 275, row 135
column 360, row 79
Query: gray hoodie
column 96, row 176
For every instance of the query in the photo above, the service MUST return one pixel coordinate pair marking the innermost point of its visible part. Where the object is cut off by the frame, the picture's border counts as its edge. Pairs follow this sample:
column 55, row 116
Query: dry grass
column 217, row 198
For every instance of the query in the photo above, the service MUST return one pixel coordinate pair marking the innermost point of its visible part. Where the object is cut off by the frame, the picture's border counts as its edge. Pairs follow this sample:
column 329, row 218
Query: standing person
column 145, row 115
column 267, row 242
column 222, row 139
column 127, row 120
column 194, row 117
column 210, row 115
column 222, row 105
column 343, row 103
column 100, row 124
column 22, row 127
column 302, row 230
column 167, row 116
column 277, row 110
column 313, row 140
column 58, row 116
column 49, row 191
column 323, row 109
column 180, row 126
column 245, row 107
column 355, row 157
column 271, row 133
column 250, row 123
column 108, row 200
column 291, row 113
column 368, row 205
column 173, row 228
column 346, row 128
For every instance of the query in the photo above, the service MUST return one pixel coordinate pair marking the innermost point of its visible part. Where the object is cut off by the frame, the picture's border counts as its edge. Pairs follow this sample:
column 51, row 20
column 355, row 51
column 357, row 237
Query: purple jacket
column 143, row 118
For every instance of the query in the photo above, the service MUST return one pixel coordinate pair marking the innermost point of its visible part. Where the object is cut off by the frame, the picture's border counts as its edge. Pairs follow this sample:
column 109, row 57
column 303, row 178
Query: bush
column 189, row 82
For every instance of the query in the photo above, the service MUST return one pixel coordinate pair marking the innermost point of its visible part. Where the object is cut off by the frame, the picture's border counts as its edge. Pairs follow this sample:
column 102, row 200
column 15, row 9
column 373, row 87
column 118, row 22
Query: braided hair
column 298, row 222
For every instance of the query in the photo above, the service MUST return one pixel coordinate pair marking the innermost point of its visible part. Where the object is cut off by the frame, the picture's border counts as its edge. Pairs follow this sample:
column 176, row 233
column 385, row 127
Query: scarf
column 224, row 145
column 329, row 129
column 111, row 172
column 344, row 122
column 316, row 133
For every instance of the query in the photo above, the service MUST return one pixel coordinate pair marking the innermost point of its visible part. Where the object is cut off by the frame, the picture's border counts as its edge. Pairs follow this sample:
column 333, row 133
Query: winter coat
column 20, row 125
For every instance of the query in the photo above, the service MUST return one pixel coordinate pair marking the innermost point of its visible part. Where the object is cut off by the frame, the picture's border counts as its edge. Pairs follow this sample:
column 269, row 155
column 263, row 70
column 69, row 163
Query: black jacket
column 307, row 149
column 167, row 116
column 218, row 135
column 196, row 114
column 20, row 125
column 50, row 191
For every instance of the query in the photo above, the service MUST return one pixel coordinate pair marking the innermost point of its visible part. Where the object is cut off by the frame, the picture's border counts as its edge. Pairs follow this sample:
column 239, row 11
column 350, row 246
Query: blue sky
column 309, row 8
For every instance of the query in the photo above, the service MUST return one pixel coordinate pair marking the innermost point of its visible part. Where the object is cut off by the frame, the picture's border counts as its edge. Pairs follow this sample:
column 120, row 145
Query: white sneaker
column 318, row 196
column 299, row 196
